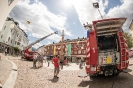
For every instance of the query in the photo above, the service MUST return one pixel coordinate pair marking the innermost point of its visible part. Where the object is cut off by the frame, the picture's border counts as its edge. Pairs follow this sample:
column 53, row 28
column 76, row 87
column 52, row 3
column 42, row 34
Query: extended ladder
column 123, row 50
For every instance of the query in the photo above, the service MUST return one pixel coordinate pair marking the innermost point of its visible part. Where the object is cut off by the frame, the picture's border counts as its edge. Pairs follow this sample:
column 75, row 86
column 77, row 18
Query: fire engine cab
column 107, row 50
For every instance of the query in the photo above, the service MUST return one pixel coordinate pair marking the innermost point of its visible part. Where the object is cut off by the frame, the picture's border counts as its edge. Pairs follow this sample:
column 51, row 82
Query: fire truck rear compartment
column 108, row 45
column 108, row 54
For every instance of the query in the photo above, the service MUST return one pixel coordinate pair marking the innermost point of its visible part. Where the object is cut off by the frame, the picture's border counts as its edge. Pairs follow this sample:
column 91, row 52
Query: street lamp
column 96, row 5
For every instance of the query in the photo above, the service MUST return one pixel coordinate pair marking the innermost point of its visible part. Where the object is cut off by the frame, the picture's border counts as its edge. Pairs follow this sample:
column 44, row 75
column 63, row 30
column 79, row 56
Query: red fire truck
column 107, row 50
column 28, row 53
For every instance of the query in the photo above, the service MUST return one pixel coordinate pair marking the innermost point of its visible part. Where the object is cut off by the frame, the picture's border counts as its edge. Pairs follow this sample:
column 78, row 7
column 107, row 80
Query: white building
column 5, row 7
column 12, row 35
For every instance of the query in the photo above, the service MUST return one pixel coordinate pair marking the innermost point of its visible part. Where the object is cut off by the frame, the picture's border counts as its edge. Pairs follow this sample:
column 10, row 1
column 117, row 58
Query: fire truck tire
column 116, row 72
column 111, row 72
column 106, row 73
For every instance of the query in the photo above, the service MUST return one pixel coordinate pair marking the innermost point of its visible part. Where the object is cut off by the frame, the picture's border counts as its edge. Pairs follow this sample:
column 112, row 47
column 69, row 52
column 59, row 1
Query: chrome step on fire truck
column 28, row 53
column 107, row 50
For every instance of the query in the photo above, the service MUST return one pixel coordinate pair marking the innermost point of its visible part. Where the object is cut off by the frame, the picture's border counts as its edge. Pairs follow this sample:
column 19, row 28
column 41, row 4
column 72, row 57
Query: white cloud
column 125, row 10
column 30, row 42
column 48, row 43
column 87, row 13
column 37, row 13
column 37, row 45
column 36, row 1
column 106, row 3
column 42, row 20
column 74, row 22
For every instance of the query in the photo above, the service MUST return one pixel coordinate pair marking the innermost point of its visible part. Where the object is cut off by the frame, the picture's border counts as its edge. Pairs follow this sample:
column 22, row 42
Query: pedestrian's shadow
column 35, row 68
column 54, row 80
column 101, row 81
column 130, row 64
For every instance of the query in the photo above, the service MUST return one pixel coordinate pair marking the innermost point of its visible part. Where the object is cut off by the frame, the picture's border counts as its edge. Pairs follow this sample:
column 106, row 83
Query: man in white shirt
column 34, row 60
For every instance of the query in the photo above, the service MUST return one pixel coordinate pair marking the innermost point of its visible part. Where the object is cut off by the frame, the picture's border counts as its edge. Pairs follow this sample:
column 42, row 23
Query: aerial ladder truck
column 27, row 53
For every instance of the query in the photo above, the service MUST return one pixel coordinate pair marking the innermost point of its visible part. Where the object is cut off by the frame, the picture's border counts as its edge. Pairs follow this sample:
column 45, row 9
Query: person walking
column 5, row 50
column 56, row 61
column 34, row 60
column 39, row 60
column 46, row 60
column 61, row 63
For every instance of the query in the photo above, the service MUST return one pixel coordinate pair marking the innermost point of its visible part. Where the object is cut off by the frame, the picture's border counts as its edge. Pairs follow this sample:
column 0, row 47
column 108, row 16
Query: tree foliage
column 129, row 39
column 16, row 49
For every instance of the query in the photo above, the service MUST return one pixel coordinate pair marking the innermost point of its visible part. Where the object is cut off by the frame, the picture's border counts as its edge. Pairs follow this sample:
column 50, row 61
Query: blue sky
column 47, row 16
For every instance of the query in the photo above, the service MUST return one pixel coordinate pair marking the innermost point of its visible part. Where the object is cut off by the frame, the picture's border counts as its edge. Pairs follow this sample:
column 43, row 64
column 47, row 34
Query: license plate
column 108, row 60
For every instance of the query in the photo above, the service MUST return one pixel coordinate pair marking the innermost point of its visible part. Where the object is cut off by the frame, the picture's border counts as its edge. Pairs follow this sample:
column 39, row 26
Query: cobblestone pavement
column 5, row 68
column 43, row 78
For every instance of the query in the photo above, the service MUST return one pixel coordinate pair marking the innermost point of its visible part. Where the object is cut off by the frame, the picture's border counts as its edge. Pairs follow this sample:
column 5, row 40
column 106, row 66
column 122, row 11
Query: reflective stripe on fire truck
column 88, row 48
column 88, row 66
column 93, row 68
column 93, row 50
column 88, row 55
column 88, row 43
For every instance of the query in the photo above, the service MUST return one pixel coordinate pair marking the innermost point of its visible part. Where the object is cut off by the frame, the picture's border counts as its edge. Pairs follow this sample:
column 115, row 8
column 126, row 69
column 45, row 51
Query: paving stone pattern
column 43, row 78
column 5, row 68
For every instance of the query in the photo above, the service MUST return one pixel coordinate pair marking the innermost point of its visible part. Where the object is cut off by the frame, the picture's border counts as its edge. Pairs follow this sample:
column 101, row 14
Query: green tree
column 129, row 39
column 16, row 49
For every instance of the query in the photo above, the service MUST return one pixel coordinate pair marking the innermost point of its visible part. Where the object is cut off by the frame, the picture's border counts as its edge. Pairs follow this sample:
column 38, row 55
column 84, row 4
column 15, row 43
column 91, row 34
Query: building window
column 10, row 1
column 23, row 41
column 75, row 52
column 72, row 52
column 75, row 46
column 9, row 39
column 1, row 35
column 13, row 33
column 83, row 52
column 79, row 52
column 4, row 27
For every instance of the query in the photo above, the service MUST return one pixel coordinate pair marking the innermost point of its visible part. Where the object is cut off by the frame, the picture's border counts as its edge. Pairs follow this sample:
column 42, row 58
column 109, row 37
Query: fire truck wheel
column 116, row 72
column 111, row 72
column 106, row 73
